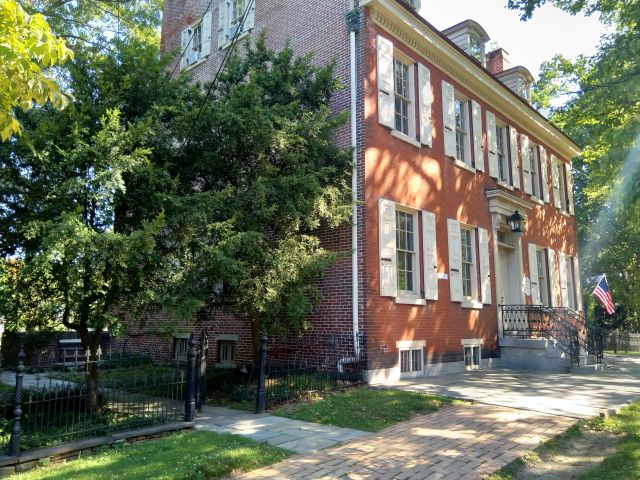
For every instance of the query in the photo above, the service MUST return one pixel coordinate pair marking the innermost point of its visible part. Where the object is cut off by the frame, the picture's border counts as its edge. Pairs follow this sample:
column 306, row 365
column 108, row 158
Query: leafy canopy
column 27, row 48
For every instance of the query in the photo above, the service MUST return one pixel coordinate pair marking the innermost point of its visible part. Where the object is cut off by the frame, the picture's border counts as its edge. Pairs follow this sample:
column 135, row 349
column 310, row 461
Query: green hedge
column 33, row 342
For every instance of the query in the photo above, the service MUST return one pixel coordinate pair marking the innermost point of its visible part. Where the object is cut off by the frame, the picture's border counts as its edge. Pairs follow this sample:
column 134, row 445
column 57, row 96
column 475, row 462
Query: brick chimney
column 498, row 61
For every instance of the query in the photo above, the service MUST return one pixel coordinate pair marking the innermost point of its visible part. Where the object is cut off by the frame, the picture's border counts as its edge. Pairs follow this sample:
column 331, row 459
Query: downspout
column 352, row 25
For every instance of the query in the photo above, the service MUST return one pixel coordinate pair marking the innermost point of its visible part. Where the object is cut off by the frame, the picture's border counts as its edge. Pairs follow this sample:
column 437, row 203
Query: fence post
column 190, row 401
column 262, row 364
column 14, row 443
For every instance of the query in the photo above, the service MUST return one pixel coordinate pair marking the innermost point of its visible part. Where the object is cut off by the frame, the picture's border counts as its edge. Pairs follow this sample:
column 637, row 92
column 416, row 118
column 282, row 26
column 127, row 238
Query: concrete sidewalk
column 571, row 395
column 294, row 435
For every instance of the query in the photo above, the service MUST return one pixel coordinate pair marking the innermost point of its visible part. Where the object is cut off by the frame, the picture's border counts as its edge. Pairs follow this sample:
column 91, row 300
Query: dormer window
column 476, row 48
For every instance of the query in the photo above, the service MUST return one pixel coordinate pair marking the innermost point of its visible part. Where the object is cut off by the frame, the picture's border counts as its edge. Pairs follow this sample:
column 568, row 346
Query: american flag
column 602, row 293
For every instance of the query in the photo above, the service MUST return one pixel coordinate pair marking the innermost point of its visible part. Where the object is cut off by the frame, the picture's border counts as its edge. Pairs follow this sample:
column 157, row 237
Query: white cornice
column 504, row 203
column 426, row 42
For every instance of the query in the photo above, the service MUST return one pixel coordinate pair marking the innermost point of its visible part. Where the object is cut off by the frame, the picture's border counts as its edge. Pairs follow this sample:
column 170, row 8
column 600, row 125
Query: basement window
column 472, row 357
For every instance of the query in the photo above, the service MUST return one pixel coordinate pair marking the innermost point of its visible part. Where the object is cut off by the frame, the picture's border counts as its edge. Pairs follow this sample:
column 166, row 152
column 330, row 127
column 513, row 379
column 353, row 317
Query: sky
column 550, row 31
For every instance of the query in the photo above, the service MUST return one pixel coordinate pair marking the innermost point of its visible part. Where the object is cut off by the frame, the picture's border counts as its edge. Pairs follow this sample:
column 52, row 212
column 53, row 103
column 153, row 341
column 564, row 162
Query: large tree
column 28, row 48
column 600, row 109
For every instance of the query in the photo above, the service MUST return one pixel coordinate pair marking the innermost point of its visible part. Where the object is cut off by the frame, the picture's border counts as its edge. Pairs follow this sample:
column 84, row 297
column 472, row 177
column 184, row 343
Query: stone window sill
column 472, row 304
column 406, row 300
column 405, row 138
column 464, row 166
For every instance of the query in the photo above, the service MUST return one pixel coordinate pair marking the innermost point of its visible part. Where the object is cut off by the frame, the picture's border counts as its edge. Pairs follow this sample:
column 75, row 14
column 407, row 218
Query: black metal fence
column 56, row 401
column 619, row 341
column 295, row 367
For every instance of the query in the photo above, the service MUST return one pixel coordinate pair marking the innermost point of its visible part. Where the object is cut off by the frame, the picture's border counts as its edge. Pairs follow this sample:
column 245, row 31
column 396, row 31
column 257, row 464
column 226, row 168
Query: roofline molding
column 430, row 43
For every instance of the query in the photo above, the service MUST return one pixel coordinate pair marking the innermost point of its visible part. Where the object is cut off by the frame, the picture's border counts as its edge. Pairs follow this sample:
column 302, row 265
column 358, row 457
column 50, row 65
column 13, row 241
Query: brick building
column 447, row 148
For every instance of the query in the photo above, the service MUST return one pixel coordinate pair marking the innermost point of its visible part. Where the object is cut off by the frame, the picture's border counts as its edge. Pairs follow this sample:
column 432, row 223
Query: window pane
column 417, row 360
column 476, row 356
column 467, row 263
column 405, row 250
column 405, row 361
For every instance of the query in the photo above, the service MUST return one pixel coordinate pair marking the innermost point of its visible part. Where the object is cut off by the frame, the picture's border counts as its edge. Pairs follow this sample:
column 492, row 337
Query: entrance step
column 588, row 369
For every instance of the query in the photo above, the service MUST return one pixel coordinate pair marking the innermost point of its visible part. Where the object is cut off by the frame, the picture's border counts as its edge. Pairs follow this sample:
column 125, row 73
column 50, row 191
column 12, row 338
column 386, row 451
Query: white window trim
column 472, row 301
column 464, row 166
column 458, row 97
column 405, row 296
column 411, row 136
column 411, row 344
column 186, row 53
column 412, row 373
column 405, row 138
column 247, row 27
column 472, row 346
column 505, row 148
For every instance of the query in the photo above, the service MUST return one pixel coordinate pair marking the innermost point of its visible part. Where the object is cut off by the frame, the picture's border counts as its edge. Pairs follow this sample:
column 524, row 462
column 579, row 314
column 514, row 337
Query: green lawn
column 193, row 455
column 365, row 409
column 622, row 465
column 625, row 463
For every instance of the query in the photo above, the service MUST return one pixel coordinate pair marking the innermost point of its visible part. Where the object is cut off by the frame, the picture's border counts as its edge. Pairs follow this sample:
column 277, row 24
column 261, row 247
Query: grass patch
column 193, row 455
column 365, row 409
column 621, row 352
column 623, row 463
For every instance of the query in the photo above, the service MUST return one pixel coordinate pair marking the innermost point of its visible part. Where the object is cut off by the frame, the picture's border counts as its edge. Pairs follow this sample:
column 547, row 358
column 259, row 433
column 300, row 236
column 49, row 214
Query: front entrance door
column 508, row 276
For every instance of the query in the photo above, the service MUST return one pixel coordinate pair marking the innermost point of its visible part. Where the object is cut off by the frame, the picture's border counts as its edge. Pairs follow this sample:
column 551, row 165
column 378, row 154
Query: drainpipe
column 352, row 25
column 352, row 22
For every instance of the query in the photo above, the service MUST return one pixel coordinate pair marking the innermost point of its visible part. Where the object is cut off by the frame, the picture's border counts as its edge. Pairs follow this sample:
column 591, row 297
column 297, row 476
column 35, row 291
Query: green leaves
column 26, row 45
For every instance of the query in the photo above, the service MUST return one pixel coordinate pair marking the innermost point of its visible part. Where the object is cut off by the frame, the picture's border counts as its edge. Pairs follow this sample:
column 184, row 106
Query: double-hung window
column 195, row 42
column 403, row 92
column 534, row 171
column 468, row 262
column 462, row 130
column 226, row 352
column 406, row 226
column 501, row 153
column 236, row 17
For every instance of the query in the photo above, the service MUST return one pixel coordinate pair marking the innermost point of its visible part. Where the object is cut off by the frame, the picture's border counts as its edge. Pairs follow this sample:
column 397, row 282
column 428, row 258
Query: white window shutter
column 184, row 43
column 545, row 174
column 386, row 100
column 555, row 182
column 576, row 272
column 485, row 268
column 526, row 163
column 515, row 158
column 449, row 119
column 569, row 175
column 563, row 279
column 206, row 34
column 551, row 257
column 223, row 10
column 478, row 152
column 430, row 255
column 250, row 21
column 492, row 144
column 387, row 236
column 455, row 259
column 425, row 98
column 533, row 275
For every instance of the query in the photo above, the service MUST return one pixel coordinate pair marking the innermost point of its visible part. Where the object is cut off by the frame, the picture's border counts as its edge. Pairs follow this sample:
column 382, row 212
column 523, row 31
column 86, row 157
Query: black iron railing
column 568, row 328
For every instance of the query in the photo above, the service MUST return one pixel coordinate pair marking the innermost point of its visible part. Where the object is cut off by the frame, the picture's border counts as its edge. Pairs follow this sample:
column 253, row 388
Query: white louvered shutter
column 250, row 21
column 551, row 256
column 492, row 144
column 425, row 98
column 449, row 119
column 387, row 239
column 563, row 279
column 555, row 182
column 485, row 268
column 515, row 157
column 478, row 152
column 569, row 174
column 223, row 10
column 386, row 100
column 545, row 174
column 184, row 42
column 578, row 283
column 533, row 275
column 455, row 260
column 526, row 163
column 430, row 255
column 206, row 34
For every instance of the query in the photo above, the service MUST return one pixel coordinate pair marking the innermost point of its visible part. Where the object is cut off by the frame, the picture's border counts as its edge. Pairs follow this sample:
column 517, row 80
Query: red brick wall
column 423, row 178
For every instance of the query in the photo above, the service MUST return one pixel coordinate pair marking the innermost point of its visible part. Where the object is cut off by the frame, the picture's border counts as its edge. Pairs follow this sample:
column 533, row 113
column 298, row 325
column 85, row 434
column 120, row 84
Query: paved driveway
column 570, row 395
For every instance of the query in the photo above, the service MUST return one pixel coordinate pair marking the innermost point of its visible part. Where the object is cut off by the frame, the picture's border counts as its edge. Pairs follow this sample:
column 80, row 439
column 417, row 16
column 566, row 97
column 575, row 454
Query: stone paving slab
column 462, row 442
column 294, row 435
column 577, row 396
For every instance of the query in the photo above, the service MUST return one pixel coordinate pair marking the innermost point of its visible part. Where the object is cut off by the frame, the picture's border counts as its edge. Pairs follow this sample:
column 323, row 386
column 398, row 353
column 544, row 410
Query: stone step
column 588, row 369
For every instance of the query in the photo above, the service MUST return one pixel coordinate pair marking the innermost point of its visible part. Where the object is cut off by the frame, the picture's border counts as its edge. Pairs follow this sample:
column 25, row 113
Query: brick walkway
column 463, row 442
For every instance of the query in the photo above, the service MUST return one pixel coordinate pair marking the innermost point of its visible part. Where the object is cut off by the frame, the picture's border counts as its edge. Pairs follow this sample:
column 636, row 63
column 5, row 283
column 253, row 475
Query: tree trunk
column 91, row 343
